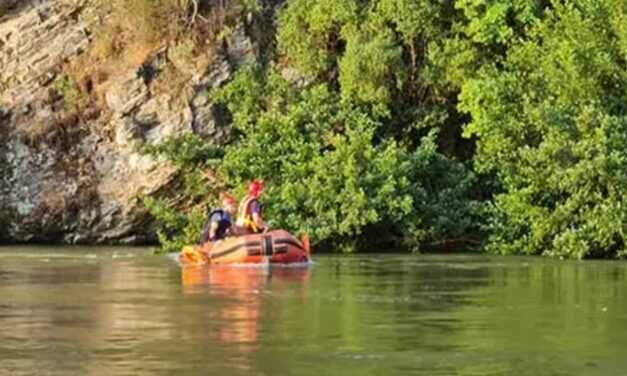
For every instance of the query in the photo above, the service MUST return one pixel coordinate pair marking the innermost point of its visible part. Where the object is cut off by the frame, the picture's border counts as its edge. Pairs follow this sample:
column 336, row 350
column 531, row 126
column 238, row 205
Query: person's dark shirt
column 223, row 219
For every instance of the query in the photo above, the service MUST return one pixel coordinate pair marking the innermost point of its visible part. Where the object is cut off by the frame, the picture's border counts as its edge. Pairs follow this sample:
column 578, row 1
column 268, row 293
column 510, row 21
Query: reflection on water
column 124, row 312
column 241, row 289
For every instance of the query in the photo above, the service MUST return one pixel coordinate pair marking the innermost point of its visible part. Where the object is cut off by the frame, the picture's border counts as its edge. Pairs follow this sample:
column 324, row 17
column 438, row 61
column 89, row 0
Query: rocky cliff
column 76, row 176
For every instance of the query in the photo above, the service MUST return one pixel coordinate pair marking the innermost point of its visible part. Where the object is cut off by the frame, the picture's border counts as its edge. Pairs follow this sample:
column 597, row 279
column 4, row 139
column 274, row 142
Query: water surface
column 98, row 311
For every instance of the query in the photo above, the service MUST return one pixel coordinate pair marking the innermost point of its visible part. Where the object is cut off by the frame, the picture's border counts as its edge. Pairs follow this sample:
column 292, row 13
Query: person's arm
column 258, row 221
column 205, row 234
column 256, row 214
column 213, row 227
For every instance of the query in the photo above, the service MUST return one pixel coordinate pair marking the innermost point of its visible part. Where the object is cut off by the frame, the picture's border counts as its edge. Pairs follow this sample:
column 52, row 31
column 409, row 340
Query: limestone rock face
column 79, row 178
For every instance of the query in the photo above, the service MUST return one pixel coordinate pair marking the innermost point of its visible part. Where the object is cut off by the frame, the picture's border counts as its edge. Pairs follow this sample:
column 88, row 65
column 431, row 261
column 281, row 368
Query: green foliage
column 481, row 32
column 492, row 22
column 187, row 151
column 7, row 218
column 403, row 58
column 373, row 53
column 363, row 40
column 357, row 152
column 398, row 52
column 317, row 179
column 74, row 99
column 403, row 63
column 552, row 123
column 443, row 206
column 310, row 32
column 251, row 92
column 328, row 175
column 370, row 149
column 176, row 229
column 181, row 215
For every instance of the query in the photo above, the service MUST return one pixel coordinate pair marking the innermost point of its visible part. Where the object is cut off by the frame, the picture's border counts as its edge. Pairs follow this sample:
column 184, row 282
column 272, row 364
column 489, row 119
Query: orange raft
column 274, row 247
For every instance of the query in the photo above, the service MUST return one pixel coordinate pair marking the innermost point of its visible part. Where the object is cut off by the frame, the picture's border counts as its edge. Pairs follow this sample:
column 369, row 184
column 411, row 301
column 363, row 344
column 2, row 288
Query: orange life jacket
column 245, row 214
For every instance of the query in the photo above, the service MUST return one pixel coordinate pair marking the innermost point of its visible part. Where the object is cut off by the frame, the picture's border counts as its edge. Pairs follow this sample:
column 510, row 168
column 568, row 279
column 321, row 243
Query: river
column 122, row 311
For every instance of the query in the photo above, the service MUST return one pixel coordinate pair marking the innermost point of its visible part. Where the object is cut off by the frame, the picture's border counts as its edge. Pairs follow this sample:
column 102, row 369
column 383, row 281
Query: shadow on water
column 119, row 312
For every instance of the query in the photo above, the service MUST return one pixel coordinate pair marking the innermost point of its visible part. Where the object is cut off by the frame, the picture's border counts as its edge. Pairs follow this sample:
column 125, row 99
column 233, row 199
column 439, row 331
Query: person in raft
column 249, row 214
column 220, row 222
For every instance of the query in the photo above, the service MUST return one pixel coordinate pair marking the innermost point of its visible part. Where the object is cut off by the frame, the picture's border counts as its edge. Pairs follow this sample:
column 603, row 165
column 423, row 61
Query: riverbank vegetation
column 403, row 123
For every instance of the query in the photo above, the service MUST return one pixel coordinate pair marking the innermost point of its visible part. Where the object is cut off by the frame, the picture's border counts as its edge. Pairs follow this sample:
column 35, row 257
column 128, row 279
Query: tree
column 552, row 124
column 327, row 174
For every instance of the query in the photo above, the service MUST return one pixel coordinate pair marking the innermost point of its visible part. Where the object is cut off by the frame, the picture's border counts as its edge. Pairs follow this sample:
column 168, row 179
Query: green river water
column 119, row 311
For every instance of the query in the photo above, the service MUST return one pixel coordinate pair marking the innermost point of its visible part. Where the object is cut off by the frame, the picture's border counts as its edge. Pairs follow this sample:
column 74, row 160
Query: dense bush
column 327, row 172
column 369, row 143
column 552, row 123
column 181, row 213
column 374, row 52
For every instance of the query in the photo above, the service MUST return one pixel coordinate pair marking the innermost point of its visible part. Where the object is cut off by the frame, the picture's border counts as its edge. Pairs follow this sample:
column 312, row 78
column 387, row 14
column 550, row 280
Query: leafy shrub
column 176, row 229
column 552, row 124
column 371, row 148
column 405, row 59
column 182, row 212
column 329, row 174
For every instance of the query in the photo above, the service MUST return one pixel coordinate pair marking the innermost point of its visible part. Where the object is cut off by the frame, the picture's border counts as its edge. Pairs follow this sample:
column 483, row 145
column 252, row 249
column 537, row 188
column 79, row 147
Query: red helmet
column 227, row 199
column 255, row 188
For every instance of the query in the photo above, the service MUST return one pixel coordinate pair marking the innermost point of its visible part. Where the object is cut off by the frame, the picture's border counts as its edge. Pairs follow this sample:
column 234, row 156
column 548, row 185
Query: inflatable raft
column 274, row 247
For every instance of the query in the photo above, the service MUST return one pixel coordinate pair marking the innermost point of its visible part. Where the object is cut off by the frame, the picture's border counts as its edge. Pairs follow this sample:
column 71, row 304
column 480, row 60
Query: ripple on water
column 123, row 314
